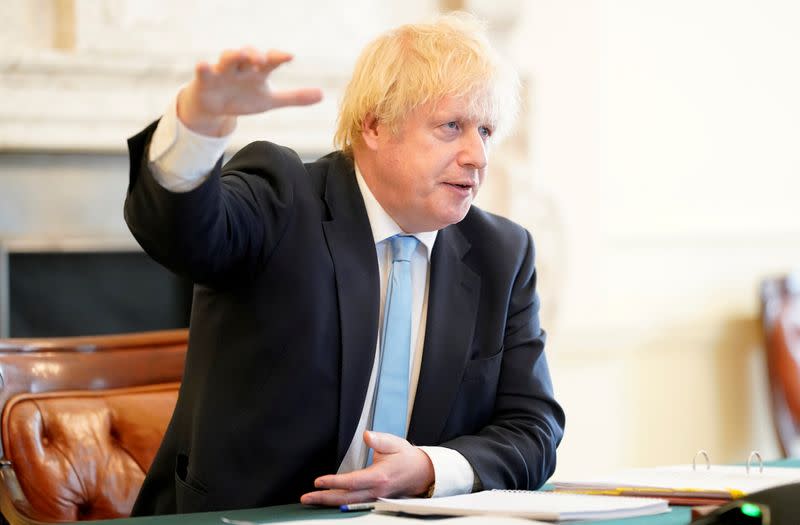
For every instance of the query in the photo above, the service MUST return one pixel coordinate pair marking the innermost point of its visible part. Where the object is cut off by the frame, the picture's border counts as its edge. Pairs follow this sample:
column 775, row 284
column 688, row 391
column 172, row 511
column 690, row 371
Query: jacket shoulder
column 493, row 233
column 277, row 163
column 264, row 155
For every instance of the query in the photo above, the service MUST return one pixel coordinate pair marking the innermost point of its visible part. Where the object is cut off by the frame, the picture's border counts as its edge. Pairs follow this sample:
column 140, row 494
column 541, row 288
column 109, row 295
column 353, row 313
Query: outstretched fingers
column 238, row 84
column 228, row 62
column 203, row 71
column 275, row 58
column 296, row 97
column 369, row 478
column 337, row 497
column 249, row 59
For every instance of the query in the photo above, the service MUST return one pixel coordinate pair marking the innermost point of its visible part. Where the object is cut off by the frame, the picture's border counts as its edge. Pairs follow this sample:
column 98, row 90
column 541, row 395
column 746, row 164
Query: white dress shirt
column 180, row 160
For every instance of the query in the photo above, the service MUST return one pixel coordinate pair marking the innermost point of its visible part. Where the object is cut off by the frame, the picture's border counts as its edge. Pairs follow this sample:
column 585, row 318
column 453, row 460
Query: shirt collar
column 382, row 225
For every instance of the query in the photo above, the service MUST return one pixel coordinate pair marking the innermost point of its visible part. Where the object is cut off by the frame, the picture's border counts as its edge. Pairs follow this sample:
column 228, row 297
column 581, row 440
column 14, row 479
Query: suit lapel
column 452, row 309
column 352, row 249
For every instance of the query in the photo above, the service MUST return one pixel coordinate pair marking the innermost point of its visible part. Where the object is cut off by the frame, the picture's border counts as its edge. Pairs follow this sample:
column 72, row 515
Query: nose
column 473, row 150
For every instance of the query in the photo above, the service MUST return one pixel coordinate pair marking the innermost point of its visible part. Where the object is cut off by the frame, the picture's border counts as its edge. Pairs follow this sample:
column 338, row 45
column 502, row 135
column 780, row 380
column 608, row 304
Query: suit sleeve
column 517, row 449
column 223, row 230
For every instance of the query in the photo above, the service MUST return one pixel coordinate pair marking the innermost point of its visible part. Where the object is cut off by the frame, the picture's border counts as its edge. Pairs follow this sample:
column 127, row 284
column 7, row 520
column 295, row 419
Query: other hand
column 398, row 469
column 237, row 84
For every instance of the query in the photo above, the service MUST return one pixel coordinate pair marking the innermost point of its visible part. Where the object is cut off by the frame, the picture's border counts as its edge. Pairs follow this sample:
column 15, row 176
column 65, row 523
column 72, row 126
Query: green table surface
column 289, row 513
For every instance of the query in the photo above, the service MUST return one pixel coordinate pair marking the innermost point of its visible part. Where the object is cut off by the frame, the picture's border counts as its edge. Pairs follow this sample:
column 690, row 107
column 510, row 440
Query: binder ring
column 757, row 455
column 705, row 455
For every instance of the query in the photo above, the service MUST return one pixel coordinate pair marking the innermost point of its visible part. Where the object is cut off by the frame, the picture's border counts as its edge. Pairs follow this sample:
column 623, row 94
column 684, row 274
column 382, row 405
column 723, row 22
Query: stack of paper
column 683, row 485
column 545, row 506
column 390, row 519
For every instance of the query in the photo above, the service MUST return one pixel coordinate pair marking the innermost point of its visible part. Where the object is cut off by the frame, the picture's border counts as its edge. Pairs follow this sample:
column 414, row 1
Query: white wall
column 668, row 133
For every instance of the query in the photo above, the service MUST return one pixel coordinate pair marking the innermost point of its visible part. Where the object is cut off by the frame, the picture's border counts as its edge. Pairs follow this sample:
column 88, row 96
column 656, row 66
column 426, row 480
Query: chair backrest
column 82, row 419
column 780, row 301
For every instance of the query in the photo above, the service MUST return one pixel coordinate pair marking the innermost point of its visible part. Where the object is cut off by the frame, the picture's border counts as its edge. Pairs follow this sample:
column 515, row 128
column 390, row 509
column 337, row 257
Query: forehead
column 473, row 107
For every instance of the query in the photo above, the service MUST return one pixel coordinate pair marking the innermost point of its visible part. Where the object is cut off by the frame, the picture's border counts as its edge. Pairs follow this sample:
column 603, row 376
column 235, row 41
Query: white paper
column 540, row 505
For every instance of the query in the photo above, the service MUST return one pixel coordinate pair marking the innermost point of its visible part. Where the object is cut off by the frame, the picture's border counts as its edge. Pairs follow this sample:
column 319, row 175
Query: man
column 355, row 315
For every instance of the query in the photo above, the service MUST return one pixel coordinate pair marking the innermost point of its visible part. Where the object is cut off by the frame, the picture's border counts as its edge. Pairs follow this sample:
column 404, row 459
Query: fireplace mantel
column 91, row 102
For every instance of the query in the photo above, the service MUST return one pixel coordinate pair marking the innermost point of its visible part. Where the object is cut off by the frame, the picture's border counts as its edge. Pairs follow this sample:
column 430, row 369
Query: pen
column 353, row 507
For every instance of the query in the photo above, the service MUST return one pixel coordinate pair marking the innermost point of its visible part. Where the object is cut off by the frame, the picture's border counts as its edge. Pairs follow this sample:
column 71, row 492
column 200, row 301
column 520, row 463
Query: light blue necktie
column 391, row 403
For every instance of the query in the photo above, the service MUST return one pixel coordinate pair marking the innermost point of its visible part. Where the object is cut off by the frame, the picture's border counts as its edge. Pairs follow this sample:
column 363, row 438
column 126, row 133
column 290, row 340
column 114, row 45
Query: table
column 289, row 513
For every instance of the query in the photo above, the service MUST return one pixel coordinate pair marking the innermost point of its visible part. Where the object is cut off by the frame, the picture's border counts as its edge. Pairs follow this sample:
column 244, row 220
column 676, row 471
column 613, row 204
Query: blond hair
column 420, row 63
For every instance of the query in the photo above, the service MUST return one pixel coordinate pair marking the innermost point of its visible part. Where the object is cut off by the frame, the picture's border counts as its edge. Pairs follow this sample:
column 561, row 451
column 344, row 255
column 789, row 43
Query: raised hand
column 236, row 85
column 398, row 469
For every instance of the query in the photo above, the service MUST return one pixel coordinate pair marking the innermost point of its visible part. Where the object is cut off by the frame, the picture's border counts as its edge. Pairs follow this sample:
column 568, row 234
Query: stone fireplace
column 68, row 265
column 78, row 78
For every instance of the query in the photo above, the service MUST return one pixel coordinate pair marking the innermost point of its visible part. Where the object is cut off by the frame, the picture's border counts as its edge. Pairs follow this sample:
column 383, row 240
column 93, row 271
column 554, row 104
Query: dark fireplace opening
column 51, row 294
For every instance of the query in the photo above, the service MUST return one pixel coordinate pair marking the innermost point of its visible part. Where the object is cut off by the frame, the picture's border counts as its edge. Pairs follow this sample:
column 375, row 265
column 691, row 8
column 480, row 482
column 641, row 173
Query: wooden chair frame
column 780, row 301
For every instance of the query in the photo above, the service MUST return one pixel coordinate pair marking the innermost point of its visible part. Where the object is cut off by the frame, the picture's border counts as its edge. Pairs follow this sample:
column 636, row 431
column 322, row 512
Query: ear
column 370, row 131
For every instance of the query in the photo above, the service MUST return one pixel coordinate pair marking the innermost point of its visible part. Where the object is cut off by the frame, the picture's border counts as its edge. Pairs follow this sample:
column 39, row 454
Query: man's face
column 427, row 175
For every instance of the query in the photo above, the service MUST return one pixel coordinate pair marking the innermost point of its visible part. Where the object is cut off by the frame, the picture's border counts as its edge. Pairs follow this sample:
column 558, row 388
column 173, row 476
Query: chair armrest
column 15, row 507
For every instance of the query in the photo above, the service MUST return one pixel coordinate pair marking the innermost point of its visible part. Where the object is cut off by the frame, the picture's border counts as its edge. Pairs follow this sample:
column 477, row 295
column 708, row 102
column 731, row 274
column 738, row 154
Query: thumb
column 384, row 443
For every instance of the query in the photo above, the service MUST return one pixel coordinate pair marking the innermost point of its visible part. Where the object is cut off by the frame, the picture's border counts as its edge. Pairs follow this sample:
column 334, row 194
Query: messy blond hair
column 420, row 63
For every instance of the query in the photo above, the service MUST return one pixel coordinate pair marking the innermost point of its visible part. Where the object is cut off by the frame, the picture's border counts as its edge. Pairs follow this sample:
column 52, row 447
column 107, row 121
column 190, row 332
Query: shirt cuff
column 452, row 472
column 181, row 159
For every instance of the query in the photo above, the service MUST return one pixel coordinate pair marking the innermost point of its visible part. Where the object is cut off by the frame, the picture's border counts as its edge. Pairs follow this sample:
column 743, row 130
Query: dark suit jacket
column 284, row 324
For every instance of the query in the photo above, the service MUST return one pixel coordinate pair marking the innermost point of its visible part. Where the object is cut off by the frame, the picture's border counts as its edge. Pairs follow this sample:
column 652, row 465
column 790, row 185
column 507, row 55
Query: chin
column 438, row 217
column 453, row 218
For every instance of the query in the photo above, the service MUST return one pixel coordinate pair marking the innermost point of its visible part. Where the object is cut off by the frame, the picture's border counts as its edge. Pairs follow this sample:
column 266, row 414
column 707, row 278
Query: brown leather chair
column 82, row 419
column 780, row 302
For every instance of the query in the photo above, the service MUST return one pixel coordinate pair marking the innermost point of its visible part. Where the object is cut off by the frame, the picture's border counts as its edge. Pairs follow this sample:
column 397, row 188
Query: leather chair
column 82, row 419
column 780, row 302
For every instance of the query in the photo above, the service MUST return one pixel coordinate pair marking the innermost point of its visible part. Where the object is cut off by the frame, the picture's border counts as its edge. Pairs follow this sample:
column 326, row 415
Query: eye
column 485, row 131
column 453, row 125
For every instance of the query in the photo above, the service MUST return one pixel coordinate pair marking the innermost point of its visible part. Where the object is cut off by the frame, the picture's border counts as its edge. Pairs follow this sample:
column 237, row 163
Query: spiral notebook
column 537, row 505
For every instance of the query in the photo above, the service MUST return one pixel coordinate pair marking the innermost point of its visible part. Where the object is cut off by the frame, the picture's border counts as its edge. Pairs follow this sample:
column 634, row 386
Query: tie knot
column 402, row 247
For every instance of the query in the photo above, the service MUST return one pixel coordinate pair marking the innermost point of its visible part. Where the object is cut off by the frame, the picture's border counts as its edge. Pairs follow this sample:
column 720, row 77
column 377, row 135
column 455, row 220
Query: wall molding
column 91, row 102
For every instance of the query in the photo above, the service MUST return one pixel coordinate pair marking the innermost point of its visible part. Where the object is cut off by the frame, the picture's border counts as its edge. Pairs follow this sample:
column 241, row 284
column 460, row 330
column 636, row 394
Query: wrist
column 428, row 480
column 211, row 125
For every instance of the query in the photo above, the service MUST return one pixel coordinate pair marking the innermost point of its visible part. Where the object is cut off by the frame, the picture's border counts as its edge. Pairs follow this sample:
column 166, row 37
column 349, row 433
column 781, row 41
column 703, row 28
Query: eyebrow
column 460, row 117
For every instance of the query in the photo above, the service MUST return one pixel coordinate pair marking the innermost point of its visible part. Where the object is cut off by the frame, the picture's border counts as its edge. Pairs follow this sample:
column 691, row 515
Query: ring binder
column 757, row 454
column 753, row 454
column 705, row 455
column 688, row 485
